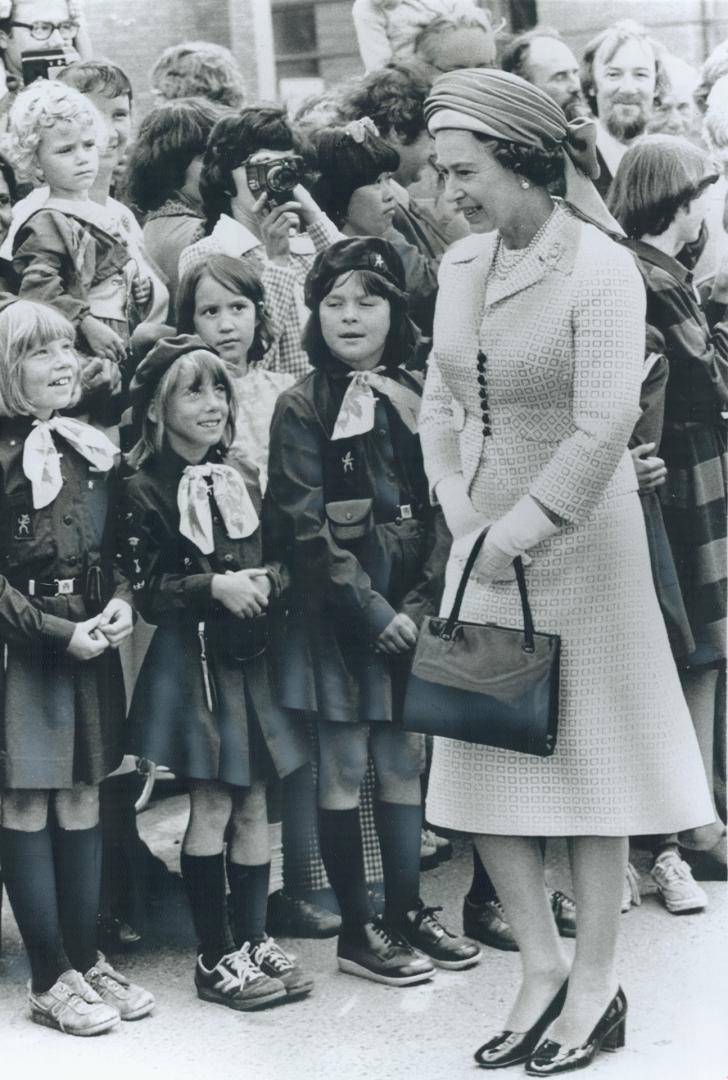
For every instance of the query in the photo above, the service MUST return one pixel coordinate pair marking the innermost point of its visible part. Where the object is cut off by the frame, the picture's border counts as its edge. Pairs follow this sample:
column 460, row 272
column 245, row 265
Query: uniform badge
column 348, row 461
column 23, row 529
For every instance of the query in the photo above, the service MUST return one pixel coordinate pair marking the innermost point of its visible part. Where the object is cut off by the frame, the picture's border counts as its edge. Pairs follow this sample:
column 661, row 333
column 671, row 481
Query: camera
column 42, row 64
column 277, row 178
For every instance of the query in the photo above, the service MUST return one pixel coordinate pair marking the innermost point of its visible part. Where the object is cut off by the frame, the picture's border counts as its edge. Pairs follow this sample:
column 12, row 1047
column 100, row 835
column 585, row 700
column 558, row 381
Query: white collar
column 237, row 239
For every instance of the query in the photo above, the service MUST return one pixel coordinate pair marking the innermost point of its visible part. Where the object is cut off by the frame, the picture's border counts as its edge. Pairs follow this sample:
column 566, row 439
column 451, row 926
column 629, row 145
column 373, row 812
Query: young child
column 71, row 252
column 348, row 493
column 202, row 703
column 63, row 613
column 222, row 301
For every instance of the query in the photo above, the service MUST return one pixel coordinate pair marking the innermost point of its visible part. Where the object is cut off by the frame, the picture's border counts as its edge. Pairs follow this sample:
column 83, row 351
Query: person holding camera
column 254, row 205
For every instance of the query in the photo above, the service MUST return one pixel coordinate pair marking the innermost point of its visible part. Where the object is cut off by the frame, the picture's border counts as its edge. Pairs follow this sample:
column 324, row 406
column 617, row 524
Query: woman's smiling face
column 476, row 184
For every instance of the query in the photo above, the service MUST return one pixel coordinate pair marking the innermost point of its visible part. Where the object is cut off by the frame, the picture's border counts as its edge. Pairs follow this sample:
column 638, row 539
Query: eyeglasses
column 42, row 31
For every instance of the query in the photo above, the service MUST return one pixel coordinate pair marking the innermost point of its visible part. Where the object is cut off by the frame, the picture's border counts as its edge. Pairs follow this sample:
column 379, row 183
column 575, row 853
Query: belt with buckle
column 58, row 587
column 404, row 513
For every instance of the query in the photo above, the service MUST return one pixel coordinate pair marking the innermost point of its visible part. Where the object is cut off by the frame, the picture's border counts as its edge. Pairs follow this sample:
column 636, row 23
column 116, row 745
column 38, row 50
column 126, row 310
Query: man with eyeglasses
column 42, row 25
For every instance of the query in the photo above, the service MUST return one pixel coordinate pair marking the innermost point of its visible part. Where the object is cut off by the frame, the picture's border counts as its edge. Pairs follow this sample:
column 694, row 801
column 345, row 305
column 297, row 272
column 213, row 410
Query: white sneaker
column 132, row 1002
column 675, row 883
column 73, row 1007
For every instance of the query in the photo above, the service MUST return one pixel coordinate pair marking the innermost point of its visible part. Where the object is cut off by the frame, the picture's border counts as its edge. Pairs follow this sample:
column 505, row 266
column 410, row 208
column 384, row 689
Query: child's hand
column 141, row 290
column 651, row 471
column 98, row 373
column 275, row 227
column 83, row 645
column 116, row 622
column 398, row 637
column 102, row 340
column 243, row 592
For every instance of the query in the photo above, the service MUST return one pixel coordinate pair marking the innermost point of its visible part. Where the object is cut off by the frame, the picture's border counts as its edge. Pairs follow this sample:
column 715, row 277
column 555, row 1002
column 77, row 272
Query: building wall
column 689, row 28
column 134, row 32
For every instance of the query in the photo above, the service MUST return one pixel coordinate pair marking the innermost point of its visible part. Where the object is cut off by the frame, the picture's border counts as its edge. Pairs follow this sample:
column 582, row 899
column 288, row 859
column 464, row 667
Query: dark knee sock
column 399, row 826
column 300, row 828
column 482, row 890
column 28, row 872
column 204, row 878
column 249, row 900
column 78, row 884
column 343, row 856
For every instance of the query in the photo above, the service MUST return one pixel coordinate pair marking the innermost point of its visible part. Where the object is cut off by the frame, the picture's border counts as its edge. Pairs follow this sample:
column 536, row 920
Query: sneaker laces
column 673, row 869
column 106, row 975
column 242, row 965
column 269, row 950
column 428, row 915
column 388, row 936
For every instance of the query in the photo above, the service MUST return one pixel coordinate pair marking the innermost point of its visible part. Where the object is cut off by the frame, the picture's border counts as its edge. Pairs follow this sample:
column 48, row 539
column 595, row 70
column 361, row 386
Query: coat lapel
column 556, row 250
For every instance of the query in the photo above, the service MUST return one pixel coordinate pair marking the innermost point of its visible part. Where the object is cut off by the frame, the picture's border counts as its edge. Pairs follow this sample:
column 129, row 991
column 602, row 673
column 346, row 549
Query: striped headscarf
column 505, row 107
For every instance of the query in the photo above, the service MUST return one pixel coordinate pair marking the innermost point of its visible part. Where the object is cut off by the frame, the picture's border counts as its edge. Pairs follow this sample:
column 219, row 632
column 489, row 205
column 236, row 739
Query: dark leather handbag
column 486, row 684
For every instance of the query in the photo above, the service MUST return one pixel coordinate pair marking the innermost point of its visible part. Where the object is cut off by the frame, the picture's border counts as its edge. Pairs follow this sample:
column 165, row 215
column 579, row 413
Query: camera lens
column 282, row 177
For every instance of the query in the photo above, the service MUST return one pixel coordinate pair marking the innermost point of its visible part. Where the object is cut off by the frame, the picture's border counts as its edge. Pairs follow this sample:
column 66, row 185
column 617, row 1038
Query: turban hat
column 505, row 107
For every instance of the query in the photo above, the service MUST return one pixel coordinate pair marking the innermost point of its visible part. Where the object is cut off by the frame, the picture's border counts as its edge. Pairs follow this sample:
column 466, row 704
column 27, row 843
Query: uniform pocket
column 350, row 519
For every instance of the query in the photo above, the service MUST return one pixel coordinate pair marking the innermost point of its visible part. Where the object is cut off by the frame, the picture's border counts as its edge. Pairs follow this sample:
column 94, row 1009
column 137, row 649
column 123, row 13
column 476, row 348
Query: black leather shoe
column 375, row 951
column 564, row 910
column 515, row 1047
column 424, row 931
column 290, row 917
column 487, row 923
column 551, row 1058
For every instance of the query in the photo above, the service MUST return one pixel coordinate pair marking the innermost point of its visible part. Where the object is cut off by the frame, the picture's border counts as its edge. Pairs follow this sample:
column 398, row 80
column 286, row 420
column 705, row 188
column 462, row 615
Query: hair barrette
column 359, row 129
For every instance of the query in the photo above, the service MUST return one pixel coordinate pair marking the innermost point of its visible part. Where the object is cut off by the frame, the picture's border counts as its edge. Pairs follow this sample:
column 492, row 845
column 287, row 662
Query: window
column 294, row 38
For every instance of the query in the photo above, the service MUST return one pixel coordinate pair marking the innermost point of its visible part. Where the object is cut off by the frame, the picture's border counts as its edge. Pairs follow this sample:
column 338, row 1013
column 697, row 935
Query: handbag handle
column 528, row 627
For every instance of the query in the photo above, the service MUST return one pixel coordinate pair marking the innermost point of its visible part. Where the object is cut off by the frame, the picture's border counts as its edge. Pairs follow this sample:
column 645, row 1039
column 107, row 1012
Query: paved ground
column 674, row 972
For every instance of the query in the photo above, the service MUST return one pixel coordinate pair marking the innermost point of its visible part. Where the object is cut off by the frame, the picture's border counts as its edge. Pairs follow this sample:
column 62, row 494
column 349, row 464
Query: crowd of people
column 264, row 380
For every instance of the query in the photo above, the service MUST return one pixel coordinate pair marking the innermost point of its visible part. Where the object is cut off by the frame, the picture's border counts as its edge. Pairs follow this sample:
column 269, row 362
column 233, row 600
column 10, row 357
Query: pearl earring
column 525, row 184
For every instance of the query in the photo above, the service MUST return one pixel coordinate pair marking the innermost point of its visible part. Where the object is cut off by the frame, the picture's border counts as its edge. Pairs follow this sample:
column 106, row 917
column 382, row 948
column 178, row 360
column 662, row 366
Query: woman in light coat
column 531, row 397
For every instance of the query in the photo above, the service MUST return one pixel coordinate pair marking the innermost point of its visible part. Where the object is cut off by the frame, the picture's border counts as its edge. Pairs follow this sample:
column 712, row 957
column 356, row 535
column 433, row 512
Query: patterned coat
column 561, row 324
column 693, row 445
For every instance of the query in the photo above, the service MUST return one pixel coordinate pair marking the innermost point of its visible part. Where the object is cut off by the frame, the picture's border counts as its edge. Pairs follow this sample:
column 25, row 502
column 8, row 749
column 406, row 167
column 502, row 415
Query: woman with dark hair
column 532, row 394
column 659, row 196
column 348, row 494
column 163, row 177
column 248, row 224
column 353, row 187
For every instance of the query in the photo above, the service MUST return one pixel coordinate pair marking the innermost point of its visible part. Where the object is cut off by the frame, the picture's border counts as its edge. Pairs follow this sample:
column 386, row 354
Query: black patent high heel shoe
column 551, row 1058
column 515, row 1047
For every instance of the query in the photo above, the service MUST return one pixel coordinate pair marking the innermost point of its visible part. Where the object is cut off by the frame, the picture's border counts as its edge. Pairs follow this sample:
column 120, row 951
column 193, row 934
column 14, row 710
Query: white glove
column 521, row 528
column 460, row 514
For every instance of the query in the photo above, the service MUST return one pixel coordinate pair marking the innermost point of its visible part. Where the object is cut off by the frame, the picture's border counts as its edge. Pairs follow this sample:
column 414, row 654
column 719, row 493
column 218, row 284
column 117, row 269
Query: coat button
column 72, row 560
column 382, row 431
column 227, row 558
column 67, row 519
